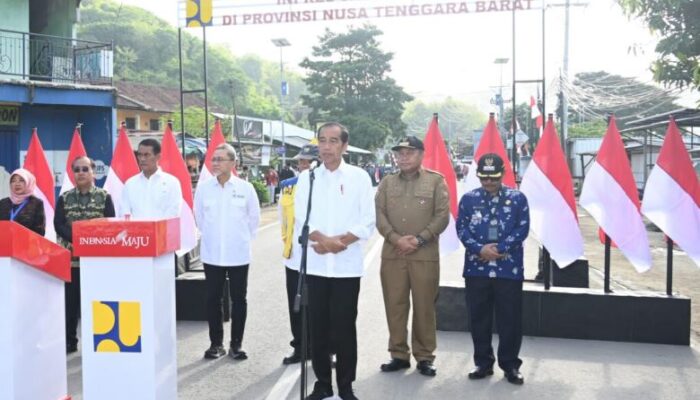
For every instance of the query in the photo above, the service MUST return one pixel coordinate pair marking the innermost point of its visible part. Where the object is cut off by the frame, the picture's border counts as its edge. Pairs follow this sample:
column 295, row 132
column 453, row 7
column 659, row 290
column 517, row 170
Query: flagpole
column 514, row 113
column 182, row 94
column 607, row 264
column 669, row 266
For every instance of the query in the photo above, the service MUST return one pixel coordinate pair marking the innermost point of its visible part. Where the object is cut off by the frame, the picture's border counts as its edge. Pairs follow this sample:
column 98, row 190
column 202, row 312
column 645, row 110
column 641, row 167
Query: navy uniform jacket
column 478, row 212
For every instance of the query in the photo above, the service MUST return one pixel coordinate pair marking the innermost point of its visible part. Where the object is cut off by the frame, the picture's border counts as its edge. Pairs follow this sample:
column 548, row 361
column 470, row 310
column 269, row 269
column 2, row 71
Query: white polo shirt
column 228, row 218
column 156, row 197
column 342, row 202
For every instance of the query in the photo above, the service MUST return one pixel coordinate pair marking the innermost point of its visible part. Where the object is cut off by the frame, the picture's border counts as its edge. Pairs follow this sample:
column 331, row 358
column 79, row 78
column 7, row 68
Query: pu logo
column 116, row 326
column 199, row 13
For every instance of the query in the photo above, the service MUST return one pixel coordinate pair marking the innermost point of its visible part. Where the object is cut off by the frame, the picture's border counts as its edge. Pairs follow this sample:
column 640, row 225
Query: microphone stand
column 301, row 301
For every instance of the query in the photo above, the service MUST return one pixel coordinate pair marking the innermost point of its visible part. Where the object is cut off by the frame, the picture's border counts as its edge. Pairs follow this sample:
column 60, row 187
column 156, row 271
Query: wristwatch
column 421, row 241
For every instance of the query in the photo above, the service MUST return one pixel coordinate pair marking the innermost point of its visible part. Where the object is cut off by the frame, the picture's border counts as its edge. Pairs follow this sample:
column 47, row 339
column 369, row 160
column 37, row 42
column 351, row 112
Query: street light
column 501, row 62
column 282, row 43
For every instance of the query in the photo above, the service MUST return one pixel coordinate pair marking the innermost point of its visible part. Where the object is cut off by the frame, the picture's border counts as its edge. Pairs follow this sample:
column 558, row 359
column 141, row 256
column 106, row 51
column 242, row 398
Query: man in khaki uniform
column 412, row 210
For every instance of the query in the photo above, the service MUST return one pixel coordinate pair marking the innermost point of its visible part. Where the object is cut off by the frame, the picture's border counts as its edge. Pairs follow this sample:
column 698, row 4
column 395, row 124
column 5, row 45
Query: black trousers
column 238, row 287
column 333, row 312
column 294, row 317
column 72, row 296
column 505, row 296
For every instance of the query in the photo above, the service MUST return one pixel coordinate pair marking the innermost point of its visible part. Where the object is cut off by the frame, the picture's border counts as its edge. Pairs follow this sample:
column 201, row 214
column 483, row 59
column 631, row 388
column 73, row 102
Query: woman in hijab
column 22, row 207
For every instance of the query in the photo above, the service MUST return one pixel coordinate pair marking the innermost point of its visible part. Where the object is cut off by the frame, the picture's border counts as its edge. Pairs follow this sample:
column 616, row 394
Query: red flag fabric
column 171, row 162
column 549, row 189
column 535, row 113
column 490, row 143
column 76, row 150
column 610, row 195
column 438, row 159
column 215, row 139
column 123, row 167
column 36, row 163
column 672, row 194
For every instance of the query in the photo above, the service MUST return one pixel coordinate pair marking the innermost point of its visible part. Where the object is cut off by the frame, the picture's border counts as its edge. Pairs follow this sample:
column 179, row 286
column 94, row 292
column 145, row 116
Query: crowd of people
column 410, row 209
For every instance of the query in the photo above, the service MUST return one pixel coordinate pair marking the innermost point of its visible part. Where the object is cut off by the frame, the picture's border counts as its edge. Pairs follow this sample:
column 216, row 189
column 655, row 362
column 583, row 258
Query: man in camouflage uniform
column 85, row 201
column 412, row 210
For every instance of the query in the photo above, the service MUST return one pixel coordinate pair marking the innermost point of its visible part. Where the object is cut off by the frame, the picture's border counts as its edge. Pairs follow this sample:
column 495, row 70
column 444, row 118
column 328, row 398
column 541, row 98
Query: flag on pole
column 536, row 114
column 215, row 139
column 610, row 195
column 490, row 143
column 672, row 195
column 123, row 167
column 549, row 189
column 437, row 159
column 171, row 162
column 76, row 150
column 36, row 163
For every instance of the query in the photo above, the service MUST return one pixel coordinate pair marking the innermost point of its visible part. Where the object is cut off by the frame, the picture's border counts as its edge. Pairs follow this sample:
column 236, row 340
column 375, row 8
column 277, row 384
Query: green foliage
column 457, row 119
column 678, row 23
column 589, row 129
column 348, row 82
column 261, row 190
column 195, row 123
column 146, row 50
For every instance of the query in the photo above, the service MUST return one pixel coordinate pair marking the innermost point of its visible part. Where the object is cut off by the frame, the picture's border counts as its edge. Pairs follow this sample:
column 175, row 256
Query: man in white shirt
column 152, row 194
column 342, row 215
column 227, row 213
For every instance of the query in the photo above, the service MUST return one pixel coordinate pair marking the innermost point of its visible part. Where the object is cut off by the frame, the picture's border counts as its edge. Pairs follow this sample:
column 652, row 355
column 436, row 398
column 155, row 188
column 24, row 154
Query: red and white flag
column 216, row 139
column 610, row 195
column 536, row 114
column 437, row 159
column 171, row 162
column 36, row 163
column 549, row 190
column 490, row 143
column 76, row 150
column 672, row 195
column 123, row 167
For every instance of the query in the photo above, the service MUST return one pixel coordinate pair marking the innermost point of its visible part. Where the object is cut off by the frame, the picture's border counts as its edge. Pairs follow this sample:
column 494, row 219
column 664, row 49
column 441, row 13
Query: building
column 52, row 81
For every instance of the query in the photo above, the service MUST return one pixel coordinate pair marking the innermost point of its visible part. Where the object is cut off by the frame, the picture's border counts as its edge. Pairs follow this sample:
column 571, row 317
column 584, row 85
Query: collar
column 158, row 173
column 231, row 180
column 343, row 167
column 418, row 174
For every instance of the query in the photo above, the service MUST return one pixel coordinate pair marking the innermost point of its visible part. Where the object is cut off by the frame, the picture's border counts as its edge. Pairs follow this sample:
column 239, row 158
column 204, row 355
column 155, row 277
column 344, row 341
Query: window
column 154, row 125
column 130, row 123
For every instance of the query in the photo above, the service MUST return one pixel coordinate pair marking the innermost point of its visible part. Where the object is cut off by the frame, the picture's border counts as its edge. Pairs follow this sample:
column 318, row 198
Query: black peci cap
column 490, row 166
column 409, row 142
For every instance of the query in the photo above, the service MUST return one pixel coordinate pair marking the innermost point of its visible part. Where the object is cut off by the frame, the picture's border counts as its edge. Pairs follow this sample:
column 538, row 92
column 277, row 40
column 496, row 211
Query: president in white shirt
column 152, row 194
column 227, row 213
column 342, row 217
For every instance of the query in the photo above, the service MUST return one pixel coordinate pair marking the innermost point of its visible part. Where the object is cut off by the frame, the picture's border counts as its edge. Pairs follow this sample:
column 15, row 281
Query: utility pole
column 564, row 103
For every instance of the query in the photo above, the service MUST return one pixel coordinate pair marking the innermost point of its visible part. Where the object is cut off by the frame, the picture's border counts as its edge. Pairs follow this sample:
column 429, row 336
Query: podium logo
column 121, row 239
column 116, row 326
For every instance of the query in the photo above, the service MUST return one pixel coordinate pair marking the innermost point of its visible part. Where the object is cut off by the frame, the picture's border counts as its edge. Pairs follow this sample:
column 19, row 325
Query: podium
column 128, row 308
column 32, row 315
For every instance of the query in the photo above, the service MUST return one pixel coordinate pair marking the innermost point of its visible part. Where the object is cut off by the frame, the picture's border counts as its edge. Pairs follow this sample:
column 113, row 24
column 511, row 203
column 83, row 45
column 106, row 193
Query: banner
column 250, row 12
column 249, row 129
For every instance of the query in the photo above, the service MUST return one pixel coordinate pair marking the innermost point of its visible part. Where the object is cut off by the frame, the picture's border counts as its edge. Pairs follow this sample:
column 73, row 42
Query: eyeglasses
column 489, row 179
column 80, row 169
column 220, row 159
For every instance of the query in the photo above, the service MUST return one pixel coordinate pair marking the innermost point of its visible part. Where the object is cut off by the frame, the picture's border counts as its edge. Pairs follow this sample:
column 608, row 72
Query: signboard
column 262, row 12
column 249, row 129
column 9, row 116
column 285, row 88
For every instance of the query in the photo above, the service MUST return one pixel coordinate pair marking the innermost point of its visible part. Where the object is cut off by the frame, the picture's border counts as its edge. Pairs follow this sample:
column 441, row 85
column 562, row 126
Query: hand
column 406, row 245
column 333, row 244
column 318, row 248
column 489, row 252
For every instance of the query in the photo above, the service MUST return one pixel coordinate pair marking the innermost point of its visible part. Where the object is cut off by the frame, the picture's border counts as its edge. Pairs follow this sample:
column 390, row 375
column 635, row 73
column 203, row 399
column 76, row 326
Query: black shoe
column 347, row 395
column 320, row 392
column 292, row 358
column 426, row 367
column 514, row 376
column 395, row 364
column 214, row 352
column 237, row 354
column 71, row 348
column 480, row 372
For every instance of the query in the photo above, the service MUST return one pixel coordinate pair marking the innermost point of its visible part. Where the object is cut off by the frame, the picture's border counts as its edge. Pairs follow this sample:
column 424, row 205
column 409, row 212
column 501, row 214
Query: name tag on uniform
column 493, row 233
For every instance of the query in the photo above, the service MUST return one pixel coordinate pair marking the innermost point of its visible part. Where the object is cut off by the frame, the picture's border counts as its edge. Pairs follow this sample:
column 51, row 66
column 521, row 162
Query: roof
column 684, row 117
column 141, row 96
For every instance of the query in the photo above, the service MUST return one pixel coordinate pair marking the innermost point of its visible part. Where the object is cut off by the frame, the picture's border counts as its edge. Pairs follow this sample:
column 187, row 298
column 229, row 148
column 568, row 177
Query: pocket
column 424, row 199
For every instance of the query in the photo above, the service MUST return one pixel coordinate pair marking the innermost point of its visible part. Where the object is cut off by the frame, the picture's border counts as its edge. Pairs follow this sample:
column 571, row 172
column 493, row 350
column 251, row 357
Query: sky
column 436, row 57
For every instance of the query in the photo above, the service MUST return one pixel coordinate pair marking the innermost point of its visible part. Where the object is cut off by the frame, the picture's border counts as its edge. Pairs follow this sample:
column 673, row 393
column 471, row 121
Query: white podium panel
column 32, row 332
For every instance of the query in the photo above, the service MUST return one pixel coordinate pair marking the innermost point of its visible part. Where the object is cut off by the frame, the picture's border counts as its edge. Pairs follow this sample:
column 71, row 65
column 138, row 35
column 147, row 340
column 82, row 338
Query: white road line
column 262, row 228
column 290, row 376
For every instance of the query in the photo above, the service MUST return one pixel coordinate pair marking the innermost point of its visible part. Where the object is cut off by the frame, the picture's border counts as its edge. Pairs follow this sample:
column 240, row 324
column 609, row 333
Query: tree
column 348, row 82
column 678, row 22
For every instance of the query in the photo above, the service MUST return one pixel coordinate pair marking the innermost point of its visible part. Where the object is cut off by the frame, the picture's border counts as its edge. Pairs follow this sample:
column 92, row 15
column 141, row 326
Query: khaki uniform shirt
column 412, row 206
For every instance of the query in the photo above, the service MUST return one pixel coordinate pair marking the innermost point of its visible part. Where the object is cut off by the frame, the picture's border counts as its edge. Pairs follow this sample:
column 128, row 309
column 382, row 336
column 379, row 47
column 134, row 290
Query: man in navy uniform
column 492, row 224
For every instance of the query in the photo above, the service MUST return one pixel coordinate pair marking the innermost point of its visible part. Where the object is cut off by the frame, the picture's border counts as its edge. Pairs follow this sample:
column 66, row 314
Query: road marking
column 291, row 374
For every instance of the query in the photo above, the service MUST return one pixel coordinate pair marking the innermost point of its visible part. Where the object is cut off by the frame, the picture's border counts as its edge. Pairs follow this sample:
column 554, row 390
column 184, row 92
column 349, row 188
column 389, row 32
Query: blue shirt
column 480, row 212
